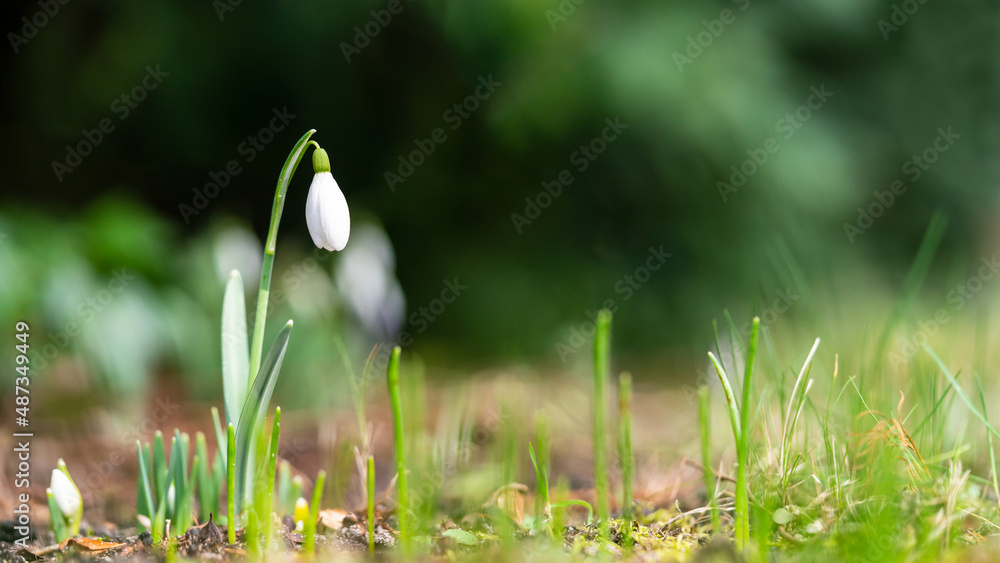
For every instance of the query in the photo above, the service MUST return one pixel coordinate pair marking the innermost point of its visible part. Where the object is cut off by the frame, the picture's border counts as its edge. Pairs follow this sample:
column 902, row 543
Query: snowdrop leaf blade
column 253, row 412
column 235, row 350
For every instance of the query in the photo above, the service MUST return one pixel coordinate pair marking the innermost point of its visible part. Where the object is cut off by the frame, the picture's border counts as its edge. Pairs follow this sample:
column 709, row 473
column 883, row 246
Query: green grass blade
column 399, row 440
column 235, row 350
column 734, row 409
column 208, row 494
column 989, row 437
column 272, row 460
column 742, row 508
column 370, row 489
column 705, row 425
column 959, row 391
column 542, row 482
column 160, row 468
column 145, row 501
column 187, row 502
column 625, row 451
column 309, row 529
column 602, row 345
column 286, row 501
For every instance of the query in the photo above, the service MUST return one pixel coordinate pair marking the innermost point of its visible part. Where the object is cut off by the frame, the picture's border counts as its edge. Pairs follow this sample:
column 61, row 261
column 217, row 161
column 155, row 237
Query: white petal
column 327, row 214
column 66, row 495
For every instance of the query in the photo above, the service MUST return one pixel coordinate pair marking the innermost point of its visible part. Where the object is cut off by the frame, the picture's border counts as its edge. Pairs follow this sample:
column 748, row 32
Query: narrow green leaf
column 231, row 484
column 255, row 407
column 235, row 351
column 208, row 494
column 57, row 517
column 160, row 469
column 370, row 474
column 145, row 503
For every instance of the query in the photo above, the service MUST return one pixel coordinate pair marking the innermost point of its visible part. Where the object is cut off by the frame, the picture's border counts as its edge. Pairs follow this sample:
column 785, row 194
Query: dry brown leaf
column 332, row 518
column 510, row 500
column 92, row 545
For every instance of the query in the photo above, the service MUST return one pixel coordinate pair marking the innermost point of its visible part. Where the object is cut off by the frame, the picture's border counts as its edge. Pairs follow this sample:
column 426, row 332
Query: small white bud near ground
column 66, row 495
column 327, row 214
column 171, row 496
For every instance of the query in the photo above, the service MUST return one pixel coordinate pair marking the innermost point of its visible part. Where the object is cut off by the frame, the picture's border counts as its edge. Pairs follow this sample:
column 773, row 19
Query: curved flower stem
column 287, row 171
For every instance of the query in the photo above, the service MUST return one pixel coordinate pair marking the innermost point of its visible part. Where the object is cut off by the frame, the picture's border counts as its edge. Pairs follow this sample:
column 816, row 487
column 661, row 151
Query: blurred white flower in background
column 237, row 248
column 366, row 278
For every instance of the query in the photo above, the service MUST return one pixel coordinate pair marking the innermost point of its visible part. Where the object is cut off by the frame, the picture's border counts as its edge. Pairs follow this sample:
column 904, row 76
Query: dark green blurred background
column 702, row 86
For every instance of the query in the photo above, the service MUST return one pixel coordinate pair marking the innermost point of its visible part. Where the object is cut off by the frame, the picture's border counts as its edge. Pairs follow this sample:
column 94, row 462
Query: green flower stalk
column 601, row 366
column 327, row 217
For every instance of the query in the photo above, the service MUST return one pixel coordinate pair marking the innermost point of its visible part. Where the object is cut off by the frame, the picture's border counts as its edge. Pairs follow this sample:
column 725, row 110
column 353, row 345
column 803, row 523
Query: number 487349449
column 21, row 383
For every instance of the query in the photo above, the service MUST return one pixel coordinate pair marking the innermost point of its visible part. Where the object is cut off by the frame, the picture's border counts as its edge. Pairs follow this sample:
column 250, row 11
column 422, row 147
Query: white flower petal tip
column 65, row 493
column 327, row 214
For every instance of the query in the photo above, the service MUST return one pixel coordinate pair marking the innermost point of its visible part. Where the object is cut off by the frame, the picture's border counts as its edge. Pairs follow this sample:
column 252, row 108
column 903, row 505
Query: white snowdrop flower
column 66, row 494
column 365, row 276
column 327, row 215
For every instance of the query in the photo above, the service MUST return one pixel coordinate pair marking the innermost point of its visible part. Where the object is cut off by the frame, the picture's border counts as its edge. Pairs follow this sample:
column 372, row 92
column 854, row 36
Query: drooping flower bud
column 327, row 215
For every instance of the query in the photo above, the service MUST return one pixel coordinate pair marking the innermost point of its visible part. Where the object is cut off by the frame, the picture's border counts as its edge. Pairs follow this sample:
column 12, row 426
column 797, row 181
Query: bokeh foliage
column 560, row 79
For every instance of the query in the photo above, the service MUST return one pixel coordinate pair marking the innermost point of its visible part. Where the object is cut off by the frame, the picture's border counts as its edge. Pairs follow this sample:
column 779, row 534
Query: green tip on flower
column 321, row 161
